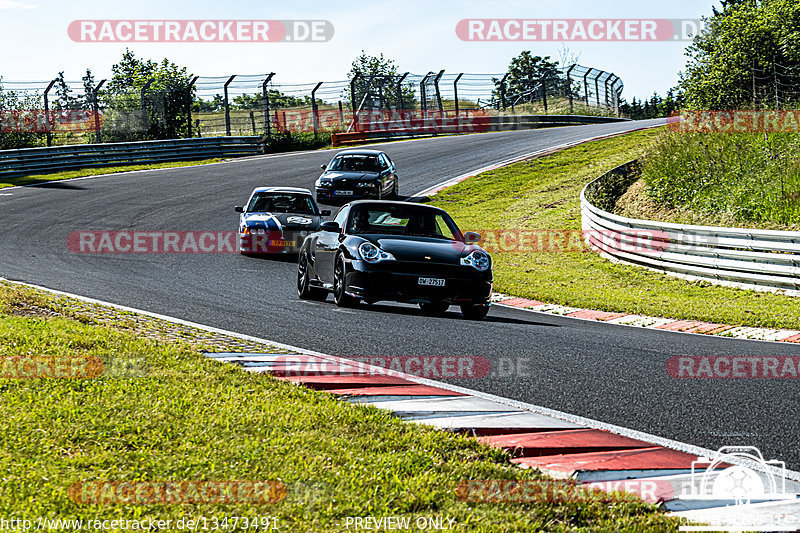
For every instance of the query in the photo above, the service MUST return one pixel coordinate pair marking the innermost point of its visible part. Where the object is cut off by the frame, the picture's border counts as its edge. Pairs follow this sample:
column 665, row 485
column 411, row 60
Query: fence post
column 228, row 107
column 341, row 115
column 619, row 95
column 586, row 85
column 315, row 116
column 96, row 105
column 438, row 94
column 544, row 92
column 265, row 92
column 50, row 124
column 189, row 104
column 400, row 92
column 455, row 90
column 503, row 91
column 569, row 89
column 597, row 86
column 353, row 103
column 423, row 98
column 144, row 106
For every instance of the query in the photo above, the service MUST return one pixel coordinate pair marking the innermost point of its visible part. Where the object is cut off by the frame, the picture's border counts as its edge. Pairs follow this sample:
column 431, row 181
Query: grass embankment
column 742, row 179
column 543, row 194
column 183, row 417
column 83, row 172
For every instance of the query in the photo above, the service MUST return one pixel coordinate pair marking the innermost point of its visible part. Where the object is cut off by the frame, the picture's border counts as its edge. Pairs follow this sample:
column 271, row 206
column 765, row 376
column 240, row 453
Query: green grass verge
column 83, row 172
column 543, row 194
column 190, row 418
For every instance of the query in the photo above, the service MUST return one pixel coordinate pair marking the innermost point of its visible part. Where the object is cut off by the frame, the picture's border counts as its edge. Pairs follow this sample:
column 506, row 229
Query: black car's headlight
column 372, row 254
column 478, row 260
column 366, row 185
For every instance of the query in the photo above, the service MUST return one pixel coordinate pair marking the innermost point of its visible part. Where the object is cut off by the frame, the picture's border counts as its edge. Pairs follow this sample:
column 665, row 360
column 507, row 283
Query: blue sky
column 418, row 34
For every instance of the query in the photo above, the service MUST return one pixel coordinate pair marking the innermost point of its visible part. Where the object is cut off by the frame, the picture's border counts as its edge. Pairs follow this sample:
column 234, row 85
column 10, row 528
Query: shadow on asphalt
column 58, row 185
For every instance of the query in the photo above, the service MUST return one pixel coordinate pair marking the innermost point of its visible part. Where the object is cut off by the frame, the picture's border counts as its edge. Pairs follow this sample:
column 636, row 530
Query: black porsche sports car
column 379, row 250
column 354, row 174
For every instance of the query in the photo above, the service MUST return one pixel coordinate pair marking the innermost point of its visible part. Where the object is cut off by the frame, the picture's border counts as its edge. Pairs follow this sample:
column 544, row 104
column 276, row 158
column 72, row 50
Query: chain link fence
column 59, row 112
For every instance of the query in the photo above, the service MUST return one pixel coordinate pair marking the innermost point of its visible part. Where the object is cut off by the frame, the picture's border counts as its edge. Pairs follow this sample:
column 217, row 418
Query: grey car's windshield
column 402, row 220
column 271, row 202
column 355, row 163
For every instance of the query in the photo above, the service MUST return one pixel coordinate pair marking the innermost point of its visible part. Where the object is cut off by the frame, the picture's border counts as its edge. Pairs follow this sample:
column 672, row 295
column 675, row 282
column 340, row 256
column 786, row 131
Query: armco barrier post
column 96, row 108
column 227, row 106
column 265, row 92
column 50, row 124
column 314, row 110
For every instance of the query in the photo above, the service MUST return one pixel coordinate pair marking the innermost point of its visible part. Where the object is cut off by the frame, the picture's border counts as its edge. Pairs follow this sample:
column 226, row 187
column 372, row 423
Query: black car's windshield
column 273, row 202
column 402, row 220
column 355, row 163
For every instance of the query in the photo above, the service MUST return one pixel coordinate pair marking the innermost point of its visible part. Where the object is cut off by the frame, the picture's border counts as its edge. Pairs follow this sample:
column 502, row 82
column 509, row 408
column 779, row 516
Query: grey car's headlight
column 478, row 260
column 372, row 254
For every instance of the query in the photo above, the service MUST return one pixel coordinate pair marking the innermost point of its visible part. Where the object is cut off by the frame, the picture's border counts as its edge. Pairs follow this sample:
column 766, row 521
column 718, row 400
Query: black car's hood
column 337, row 175
column 409, row 248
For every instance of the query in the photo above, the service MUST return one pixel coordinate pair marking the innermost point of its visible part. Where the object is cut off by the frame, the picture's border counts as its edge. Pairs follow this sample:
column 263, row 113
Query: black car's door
column 326, row 247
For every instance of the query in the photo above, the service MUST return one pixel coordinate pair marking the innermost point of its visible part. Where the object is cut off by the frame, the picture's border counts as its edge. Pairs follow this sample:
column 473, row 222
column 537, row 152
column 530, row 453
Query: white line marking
column 588, row 422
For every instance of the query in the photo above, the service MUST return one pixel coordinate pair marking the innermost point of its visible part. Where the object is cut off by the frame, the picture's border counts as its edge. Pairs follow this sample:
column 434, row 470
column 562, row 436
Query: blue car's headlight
column 478, row 260
column 372, row 254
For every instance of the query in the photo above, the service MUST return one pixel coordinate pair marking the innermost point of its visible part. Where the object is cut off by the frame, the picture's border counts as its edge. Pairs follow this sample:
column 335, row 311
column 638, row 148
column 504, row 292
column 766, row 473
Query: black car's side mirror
column 323, row 167
column 330, row 226
column 325, row 212
column 471, row 237
column 239, row 209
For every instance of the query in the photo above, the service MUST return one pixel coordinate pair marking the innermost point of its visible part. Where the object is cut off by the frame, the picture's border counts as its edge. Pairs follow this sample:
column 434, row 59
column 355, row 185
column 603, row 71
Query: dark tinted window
column 273, row 202
column 355, row 163
column 402, row 220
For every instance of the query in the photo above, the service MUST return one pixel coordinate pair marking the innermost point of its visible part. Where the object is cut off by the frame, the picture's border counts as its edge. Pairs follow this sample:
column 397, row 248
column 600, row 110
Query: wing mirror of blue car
column 330, row 226
column 239, row 209
column 323, row 167
column 471, row 237
column 325, row 212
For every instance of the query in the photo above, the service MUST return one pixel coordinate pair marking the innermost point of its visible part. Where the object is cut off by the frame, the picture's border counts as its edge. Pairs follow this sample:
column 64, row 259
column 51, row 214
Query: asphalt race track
column 615, row 374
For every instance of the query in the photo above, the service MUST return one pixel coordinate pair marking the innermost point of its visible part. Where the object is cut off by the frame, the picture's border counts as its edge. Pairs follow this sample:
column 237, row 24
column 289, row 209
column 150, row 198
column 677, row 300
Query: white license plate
column 431, row 282
column 343, row 193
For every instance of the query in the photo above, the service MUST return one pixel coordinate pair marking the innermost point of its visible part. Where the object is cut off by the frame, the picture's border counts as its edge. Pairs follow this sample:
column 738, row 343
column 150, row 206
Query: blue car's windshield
column 355, row 163
column 402, row 220
column 271, row 202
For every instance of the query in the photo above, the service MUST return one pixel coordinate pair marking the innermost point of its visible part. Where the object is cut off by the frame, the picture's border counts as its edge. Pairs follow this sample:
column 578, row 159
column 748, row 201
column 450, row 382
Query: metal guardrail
column 464, row 124
column 766, row 259
column 28, row 161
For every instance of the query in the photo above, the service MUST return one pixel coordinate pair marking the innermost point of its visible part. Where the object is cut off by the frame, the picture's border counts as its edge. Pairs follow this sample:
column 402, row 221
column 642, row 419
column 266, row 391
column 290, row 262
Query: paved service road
column 611, row 373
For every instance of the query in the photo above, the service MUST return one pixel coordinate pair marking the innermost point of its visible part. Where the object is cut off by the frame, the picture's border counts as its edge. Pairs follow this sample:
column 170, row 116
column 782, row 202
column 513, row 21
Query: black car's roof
column 359, row 152
column 390, row 202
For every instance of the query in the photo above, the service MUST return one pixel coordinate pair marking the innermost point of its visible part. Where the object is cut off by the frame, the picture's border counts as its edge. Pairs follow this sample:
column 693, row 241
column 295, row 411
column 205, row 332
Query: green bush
column 749, row 177
column 288, row 141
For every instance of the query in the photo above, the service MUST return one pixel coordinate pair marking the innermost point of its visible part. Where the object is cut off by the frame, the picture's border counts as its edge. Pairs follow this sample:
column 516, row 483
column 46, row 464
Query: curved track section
column 610, row 373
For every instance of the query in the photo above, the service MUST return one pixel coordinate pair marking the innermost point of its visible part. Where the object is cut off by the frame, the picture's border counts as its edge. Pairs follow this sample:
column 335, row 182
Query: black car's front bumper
column 331, row 194
column 399, row 281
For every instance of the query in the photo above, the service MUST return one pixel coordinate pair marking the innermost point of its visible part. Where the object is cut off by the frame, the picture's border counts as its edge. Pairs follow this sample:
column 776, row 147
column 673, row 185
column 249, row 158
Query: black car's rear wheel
column 304, row 289
column 341, row 297
column 434, row 308
column 474, row 312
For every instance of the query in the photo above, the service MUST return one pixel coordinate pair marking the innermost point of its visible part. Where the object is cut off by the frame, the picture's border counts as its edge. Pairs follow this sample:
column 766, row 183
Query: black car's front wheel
column 434, row 308
column 474, row 312
column 304, row 289
column 340, row 296
column 395, row 190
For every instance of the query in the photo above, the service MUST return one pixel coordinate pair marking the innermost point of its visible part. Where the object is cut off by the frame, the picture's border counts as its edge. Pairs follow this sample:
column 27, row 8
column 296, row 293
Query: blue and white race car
column 277, row 220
